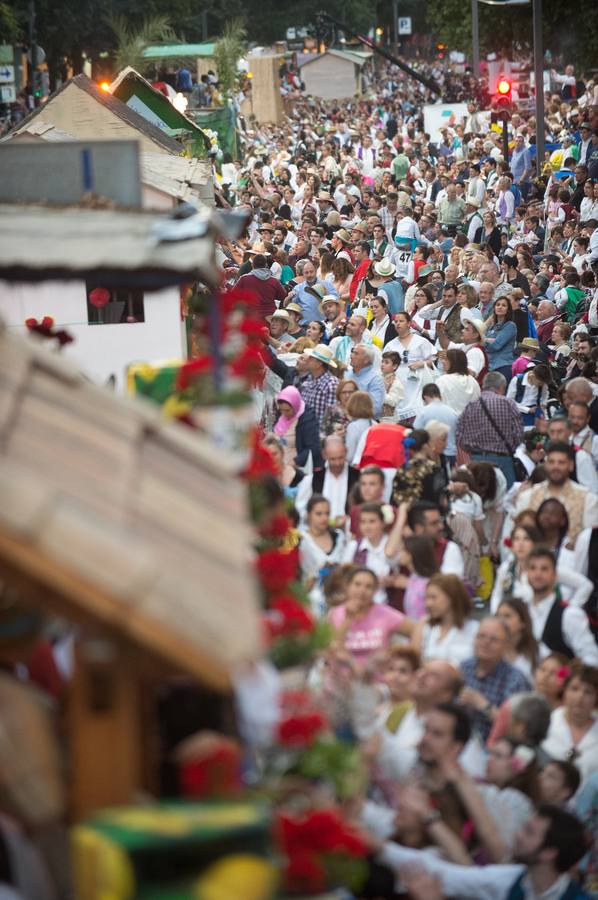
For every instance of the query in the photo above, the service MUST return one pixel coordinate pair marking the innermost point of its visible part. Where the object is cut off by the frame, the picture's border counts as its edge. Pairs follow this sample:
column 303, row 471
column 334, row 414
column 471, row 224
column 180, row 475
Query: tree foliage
column 569, row 32
column 133, row 40
column 227, row 53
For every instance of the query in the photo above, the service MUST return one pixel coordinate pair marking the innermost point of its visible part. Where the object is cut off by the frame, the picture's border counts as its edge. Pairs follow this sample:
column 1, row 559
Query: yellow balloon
column 238, row 877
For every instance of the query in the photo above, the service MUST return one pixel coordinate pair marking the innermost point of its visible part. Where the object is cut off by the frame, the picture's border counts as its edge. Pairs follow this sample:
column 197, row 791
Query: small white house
column 333, row 75
column 53, row 260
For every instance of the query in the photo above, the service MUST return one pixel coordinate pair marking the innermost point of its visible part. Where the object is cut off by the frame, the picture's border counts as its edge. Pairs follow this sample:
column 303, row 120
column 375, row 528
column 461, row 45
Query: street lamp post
column 539, row 84
column 475, row 37
column 395, row 24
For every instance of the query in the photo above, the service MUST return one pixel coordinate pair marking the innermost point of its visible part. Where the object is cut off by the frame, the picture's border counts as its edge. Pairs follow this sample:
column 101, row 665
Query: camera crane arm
column 427, row 82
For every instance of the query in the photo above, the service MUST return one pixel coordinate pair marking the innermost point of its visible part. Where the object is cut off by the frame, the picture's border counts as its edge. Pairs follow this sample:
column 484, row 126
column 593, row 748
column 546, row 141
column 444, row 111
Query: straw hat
column 322, row 353
column 293, row 307
column 343, row 235
column 472, row 201
column 385, row 268
column 258, row 247
column 324, row 196
column 479, row 324
column 279, row 314
column 529, row 343
column 330, row 298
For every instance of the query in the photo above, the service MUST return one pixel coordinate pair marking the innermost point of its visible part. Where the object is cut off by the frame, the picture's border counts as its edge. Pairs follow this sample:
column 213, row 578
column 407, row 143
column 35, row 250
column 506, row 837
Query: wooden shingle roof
column 110, row 516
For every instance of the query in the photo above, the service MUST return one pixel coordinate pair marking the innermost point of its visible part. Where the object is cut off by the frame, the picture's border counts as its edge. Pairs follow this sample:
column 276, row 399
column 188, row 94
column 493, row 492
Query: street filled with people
column 431, row 406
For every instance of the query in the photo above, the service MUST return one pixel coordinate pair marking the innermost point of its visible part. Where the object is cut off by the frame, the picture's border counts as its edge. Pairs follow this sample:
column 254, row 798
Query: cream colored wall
column 330, row 77
column 79, row 114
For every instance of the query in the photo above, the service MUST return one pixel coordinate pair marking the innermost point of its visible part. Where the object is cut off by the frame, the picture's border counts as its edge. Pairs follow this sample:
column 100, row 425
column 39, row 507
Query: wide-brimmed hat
column 330, row 298
column 385, row 268
column 266, row 226
column 343, row 235
column 324, row 195
column 322, row 353
column 479, row 324
column 258, row 247
column 424, row 271
column 316, row 290
column 279, row 314
column 293, row 307
column 529, row 343
column 473, row 201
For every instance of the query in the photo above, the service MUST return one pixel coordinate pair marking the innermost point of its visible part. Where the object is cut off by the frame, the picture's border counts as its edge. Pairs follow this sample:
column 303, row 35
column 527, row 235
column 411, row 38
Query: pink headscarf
column 291, row 396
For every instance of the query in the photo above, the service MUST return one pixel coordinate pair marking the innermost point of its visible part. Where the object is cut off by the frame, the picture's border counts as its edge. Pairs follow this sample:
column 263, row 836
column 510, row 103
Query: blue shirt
column 371, row 381
column 501, row 352
column 310, row 305
column 438, row 411
column 497, row 686
column 521, row 162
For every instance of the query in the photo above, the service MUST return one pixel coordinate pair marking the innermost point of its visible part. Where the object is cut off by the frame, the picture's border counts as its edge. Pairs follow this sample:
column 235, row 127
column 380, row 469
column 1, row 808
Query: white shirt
column 475, row 356
column 559, row 742
column 334, row 489
column 465, row 882
column 530, row 394
column 576, row 589
column 452, row 561
column 585, row 470
column 457, row 391
column 590, row 507
column 455, row 646
column 587, row 439
column 376, row 560
column 576, row 630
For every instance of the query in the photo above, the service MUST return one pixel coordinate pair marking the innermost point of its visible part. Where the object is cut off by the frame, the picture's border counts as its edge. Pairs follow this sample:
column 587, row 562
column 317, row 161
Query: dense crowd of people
column 431, row 402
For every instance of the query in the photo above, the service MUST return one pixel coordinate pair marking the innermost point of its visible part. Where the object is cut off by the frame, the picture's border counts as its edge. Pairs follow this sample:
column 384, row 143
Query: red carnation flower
column 305, row 873
column 277, row 527
column 277, row 569
column 295, row 618
column 250, row 365
column 193, row 369
column 301, row 731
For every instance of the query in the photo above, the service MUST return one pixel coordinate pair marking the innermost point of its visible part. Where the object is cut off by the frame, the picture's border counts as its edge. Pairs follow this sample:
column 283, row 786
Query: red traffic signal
column 503, row 87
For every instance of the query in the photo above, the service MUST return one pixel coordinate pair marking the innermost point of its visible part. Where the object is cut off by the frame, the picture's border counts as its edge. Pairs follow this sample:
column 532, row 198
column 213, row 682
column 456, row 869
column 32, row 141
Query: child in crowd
column 394, row 389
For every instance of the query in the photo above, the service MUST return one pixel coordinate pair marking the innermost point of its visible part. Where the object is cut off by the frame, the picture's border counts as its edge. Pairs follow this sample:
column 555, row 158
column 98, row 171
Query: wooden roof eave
column 67, row 594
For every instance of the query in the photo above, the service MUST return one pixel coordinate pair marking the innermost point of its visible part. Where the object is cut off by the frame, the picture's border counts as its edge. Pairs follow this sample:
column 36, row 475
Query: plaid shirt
column 500, row 684
column 387, row 218
column 476, row 432
column 319, row 394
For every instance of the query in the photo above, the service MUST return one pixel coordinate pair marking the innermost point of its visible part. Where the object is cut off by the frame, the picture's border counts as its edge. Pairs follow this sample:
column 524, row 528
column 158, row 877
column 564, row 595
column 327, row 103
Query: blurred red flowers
column 302, row 730
column 277, row 568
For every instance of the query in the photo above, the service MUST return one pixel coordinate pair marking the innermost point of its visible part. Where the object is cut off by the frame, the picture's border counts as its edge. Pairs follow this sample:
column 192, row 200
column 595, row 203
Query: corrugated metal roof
column 359, row 59
column 40, row 243
column 168, row 51
column 112, row 517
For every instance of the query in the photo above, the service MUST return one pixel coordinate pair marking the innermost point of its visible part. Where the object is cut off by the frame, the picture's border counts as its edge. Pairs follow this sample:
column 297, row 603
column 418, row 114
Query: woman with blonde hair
column 360, row 409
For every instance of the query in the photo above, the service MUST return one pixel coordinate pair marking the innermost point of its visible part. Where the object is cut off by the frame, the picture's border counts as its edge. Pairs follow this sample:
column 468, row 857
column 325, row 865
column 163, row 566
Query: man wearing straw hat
column 388, row 286
column 340, row 243
column 473, row 332
column 319, row 390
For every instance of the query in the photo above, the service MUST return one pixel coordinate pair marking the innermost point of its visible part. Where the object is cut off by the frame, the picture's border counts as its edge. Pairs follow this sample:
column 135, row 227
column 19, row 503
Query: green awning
column 177, row 51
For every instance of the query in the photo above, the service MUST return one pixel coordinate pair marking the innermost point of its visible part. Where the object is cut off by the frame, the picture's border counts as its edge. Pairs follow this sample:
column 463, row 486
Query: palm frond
column 132, row 40
column 227, row 52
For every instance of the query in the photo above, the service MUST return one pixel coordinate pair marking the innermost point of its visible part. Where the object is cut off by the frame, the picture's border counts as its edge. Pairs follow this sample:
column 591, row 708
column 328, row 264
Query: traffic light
column 502, row 101
column 440, row 51
column 38, row 84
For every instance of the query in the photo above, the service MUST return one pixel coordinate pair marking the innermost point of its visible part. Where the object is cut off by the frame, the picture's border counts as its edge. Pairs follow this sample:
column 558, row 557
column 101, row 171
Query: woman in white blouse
column 416, row 353
column 320, row 549
column 446, row 632
column 457, row 387
column 573, row 732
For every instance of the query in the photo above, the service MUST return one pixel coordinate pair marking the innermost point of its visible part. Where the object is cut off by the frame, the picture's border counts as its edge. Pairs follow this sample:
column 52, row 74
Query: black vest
column 317, row 482
column 552, row 636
